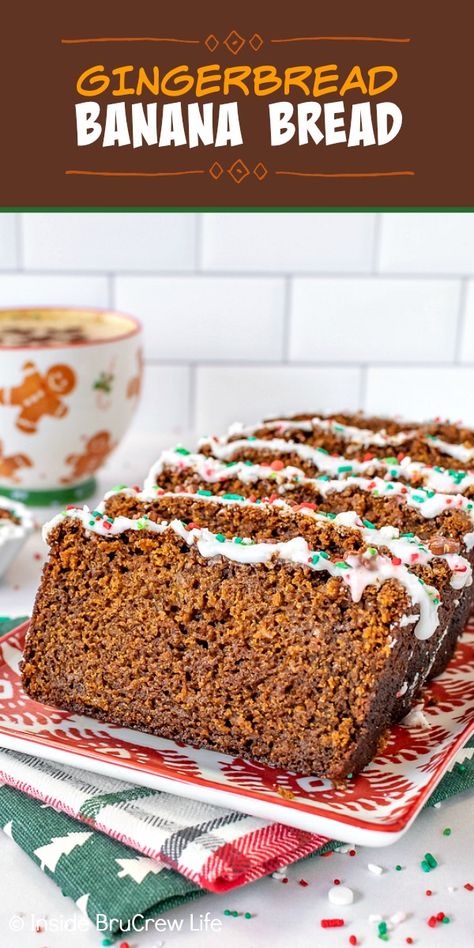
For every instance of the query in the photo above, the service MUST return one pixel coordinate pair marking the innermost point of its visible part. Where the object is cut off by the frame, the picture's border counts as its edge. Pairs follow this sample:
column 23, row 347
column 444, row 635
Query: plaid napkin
column 125, row 869
column 213, row 847
column 112, row 882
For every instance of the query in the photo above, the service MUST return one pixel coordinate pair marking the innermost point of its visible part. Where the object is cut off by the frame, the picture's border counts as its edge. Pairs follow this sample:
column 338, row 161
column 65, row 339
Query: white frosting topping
column 428, row 503
column 352, row 433
column 10, row 530
column 356, row 434
column 406, row 547
column 434, row 478
column 457, row 451
column 357, row 571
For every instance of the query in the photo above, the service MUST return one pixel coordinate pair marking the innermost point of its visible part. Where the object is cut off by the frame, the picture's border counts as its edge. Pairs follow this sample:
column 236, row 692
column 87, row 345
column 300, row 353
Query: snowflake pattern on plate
column 385, row 797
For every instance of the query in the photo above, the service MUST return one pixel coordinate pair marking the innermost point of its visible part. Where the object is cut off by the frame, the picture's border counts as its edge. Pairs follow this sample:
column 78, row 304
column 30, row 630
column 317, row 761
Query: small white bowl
column 13, row 535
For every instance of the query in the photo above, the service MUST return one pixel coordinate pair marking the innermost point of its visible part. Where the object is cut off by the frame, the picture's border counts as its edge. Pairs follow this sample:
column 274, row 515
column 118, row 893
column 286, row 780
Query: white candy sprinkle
column 377, row 870
column 398, row 917
column 437, row 806
column 451, row 889
column 374, row 919
column 345, row 848
column 415, row 718
column 340, row 895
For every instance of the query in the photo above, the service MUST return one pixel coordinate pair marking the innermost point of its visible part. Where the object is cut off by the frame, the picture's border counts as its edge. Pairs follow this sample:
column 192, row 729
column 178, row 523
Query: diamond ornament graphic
column 211, row 42
column 256, row 42
column 234, row 42
column 238, row 171
column 216, row 170
column 260, row 171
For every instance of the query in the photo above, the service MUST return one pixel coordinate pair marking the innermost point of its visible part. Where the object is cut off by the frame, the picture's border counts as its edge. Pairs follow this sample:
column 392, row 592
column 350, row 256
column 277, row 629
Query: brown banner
column 223, row 105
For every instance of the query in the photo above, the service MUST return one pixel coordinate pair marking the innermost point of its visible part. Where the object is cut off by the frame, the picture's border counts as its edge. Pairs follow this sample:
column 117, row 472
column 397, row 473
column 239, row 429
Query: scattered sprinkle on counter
column 375, row 869
column 332, row 922
column 340, row 895
column 428, row 863
column 398, row 917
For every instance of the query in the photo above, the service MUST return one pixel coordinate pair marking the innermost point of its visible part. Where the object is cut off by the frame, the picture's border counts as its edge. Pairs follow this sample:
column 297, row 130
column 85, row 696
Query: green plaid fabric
column 108, row 880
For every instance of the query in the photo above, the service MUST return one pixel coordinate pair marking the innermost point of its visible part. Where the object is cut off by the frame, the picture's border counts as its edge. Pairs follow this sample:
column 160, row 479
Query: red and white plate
column 374, row 809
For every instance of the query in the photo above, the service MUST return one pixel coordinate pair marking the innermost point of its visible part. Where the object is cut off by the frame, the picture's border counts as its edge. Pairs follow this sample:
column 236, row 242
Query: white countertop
column 284, row 916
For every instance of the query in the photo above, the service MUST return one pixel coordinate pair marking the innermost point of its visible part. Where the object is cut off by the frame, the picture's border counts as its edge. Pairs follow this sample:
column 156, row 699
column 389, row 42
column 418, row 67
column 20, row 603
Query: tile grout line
column 198, row 243
column 377, row 245
column 363, row 382
column 238, row 274
column 286, row 323
column 302, row 364
column 192, row 394
column 461, row 321
column 19, row 242
column 110, row 289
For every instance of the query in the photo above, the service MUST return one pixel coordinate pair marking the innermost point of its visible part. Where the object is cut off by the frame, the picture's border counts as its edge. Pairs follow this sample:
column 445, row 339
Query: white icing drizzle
column 353, row 433
column 415, row 718
column 10, row 530
column 408, row 548
column 356, row 434
column 435, row 478
column 458, row 451
column 428, row 503
column 357, row 572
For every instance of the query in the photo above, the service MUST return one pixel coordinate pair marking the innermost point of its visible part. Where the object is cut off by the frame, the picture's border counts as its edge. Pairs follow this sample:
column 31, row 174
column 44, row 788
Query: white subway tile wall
column 247, row 314
column 230, row 393
column 196, row 318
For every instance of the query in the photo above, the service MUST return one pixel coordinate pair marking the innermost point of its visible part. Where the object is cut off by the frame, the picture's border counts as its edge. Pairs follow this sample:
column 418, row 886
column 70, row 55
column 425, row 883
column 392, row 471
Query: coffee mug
column 70, row 381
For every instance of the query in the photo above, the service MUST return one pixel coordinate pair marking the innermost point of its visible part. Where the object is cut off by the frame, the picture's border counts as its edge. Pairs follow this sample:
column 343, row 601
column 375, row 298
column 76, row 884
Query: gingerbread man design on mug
column 96, row 451
column 38, row 395
column 10, row 465
column 135, row 384
column 64, row 373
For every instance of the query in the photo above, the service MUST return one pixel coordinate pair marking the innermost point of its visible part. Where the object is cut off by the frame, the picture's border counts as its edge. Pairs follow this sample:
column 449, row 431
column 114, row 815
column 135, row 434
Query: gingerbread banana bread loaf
column 454, row 432
column 292, row 638
column 296, row 448
column 358, row 436
column 402, row 542
column 7, row 517
column 420, row 442
column 427, row 513
column 16, row 524
column 13, row 514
